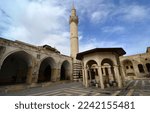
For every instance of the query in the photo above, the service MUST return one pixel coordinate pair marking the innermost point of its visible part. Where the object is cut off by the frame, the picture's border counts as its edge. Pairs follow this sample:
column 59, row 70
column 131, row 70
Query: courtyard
column 140, row 87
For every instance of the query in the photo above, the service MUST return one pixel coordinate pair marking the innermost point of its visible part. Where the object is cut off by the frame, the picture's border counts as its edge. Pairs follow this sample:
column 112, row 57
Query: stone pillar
column 123, row 75
column 110, row 74
column 123, row 71
column 100, row 77
column 86, row 78
column 117, row 74
column 109, row 70
column 54, row 74
column 104, row 73
column 58, row 75
column 83, row 73
column 29, row 75
column 136, row 70
column 90, row 75
column 145, row 69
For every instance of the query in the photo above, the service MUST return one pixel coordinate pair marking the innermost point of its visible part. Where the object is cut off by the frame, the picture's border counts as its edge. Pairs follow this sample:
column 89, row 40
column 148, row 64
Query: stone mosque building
column 22, row 63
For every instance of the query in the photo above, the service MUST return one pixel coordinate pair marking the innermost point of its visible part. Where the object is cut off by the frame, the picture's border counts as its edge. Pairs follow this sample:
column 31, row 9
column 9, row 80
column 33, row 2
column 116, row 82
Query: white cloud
column 132, row 13
column 127, row 12
column 136, row 12
column 60, row 42
column 113, row 29
column 99, row 16
column 95, row 43
column 42, row 23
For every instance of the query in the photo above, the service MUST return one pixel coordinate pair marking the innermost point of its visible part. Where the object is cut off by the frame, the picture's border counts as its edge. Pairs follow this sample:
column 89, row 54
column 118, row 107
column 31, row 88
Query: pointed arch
column 108, row 72
column 46, row 70
column 92, row 72
column 65, row 70
column 15, row 67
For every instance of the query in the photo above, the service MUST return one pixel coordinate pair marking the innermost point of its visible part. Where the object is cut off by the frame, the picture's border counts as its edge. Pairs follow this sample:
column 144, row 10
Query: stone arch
column 65, row 70
column 5, row 55
column 46, row 70
column 107, row 66
column 16, row 68
column 148, row 67
column 141, row 69
column 128, row 68
column 92, row 71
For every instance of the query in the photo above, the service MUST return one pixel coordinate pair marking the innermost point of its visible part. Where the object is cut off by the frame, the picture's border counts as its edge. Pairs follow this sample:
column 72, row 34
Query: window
column 131, row 67
column 127, row 67
column 141, row 69
column 38, row 56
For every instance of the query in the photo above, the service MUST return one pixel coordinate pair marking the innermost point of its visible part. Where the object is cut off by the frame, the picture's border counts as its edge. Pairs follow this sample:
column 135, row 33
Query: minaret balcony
column 74, row 19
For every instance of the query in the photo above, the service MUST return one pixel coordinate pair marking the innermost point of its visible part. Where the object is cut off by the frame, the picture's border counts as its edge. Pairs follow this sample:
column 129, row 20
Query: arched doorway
column 141, row 69
column 148, row 67
column 128, row 68
column 46, row 70
column 93, row 77
column 15, row 68
column 65, row 69
column 108, row 72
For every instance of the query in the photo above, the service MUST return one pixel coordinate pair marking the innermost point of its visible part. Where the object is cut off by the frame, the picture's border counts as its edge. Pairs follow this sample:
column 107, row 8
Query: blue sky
column 102, row 23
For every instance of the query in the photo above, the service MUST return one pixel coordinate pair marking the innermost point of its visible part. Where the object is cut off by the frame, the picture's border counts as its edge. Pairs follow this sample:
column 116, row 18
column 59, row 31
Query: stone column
column 123, row 71
column 90, row 74
column 110, row 74
column 58, row 75
column 86, row 78
column 29, row 75
column 83, row 74
column 104, row 73
column 116, row 69
column 123, row 75
column 109, row 70
column 136, row 70
column 145, row 69
column 54, row 74
column 100, row 77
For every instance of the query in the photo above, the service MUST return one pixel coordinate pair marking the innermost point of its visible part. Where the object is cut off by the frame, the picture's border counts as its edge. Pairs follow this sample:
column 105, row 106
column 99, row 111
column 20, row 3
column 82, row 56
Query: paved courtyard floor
column 132, row 88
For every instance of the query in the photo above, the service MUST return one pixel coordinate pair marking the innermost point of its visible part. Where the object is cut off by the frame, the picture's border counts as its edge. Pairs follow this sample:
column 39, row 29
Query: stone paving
column 132, row 88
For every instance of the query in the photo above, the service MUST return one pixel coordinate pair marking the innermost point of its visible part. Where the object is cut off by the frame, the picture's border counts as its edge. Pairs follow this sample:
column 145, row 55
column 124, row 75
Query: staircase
column 77, row 71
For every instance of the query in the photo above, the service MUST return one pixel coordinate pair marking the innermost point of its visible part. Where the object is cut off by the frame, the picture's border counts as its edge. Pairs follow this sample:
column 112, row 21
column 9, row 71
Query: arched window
column 141, row 69
column 127, row 67
column 131, row 67
column 148, row 67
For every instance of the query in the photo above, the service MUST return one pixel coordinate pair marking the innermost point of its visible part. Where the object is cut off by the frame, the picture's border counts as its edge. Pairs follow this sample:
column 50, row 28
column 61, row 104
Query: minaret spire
column 73, row 7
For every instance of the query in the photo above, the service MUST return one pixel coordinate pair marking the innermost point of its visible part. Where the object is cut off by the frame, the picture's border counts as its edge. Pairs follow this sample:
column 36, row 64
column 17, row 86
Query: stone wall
column 33, row 56
column 136, row 66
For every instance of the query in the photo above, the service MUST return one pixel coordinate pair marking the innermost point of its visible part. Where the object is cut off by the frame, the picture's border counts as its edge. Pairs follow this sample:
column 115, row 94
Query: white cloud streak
column 134, row 13
column 113, row 29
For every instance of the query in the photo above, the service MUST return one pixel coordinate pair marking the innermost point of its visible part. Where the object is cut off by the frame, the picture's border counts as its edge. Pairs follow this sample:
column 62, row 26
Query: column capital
column 99, row 66
column 85, row 68
column 116, row 66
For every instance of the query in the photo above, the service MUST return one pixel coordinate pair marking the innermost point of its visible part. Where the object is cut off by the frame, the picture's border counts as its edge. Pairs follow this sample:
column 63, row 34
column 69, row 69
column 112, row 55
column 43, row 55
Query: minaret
column 74, row 45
